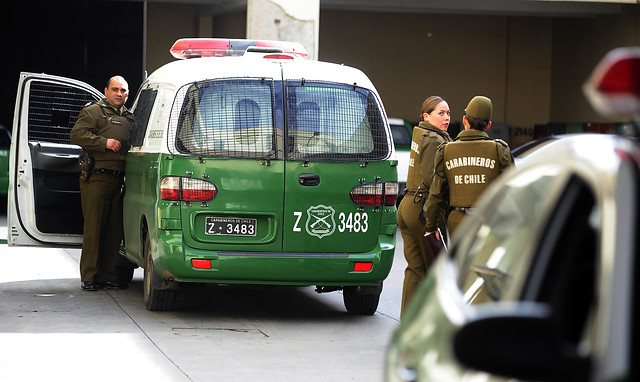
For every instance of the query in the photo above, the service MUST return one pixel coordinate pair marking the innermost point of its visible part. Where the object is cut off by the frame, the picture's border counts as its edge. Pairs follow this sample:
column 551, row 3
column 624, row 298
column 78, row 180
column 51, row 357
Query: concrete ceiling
column 547, row 8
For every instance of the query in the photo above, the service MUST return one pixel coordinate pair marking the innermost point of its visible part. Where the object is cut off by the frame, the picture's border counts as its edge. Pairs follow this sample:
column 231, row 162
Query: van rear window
column 244, row 118
column 334, row 122
column 226, row 118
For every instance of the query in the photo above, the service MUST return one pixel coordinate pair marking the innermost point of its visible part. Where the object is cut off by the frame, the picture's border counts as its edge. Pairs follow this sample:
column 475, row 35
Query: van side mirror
column 524, row 344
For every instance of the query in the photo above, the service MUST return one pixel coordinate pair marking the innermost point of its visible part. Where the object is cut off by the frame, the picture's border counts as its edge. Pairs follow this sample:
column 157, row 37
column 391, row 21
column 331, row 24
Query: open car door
column 44, row 194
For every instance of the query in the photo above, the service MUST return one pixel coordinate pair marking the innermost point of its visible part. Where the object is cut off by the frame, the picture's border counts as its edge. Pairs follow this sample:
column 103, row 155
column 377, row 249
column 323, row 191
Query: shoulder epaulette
column 503, row 143
column 94, row 103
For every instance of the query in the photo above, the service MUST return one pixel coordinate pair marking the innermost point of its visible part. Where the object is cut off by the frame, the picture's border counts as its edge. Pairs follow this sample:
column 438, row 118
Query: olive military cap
column 480, row 107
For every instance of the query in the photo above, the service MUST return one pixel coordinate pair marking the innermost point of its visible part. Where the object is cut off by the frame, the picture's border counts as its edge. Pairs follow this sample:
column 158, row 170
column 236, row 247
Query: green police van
column 249, row 164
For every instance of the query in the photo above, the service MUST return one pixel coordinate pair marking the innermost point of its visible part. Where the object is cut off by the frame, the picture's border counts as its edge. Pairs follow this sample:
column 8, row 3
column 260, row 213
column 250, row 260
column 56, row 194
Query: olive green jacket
column 98, row 122
column 424, row 143
column 439, row 193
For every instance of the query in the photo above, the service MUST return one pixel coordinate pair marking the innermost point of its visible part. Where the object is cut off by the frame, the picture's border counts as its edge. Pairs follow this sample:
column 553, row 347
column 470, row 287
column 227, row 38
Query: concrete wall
column 166, row 23
column 528, row 84
column 579, row 44
column 410, row 57
column 285, row 20
column 533, row 68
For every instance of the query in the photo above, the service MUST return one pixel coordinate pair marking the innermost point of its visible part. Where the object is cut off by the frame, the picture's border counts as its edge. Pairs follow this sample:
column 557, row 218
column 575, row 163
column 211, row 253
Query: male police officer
column 102, row 129
column 466, row 166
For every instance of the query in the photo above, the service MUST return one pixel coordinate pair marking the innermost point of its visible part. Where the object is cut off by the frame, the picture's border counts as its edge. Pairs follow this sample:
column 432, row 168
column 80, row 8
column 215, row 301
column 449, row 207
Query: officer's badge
column 320, row 221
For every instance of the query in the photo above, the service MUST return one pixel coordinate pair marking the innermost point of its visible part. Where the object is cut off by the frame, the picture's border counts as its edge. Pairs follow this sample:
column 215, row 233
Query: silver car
column 542, row 282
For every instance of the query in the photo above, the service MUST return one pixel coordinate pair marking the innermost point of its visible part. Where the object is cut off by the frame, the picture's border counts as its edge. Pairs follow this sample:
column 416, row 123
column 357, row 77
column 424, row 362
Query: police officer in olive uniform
column 102, row 129
column 427, row 136
column 465, row 167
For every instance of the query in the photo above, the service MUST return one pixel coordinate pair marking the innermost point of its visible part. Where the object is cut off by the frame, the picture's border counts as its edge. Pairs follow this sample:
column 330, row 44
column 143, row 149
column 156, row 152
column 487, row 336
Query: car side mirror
column 519, row 342
column 613, row 88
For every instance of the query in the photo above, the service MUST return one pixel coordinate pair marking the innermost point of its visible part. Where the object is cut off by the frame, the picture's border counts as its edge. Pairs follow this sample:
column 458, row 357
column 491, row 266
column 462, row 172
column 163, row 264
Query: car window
column 563, row 273
column 144, row 105
column 401, row 136
column 225, row 118
column 497, row 248
column 334, row 122
column 53, row 110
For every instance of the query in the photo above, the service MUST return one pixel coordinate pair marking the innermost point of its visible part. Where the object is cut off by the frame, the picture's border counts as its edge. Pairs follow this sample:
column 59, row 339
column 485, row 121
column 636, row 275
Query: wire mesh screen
column 334, row 122
column 53, row 110
column 231, row 118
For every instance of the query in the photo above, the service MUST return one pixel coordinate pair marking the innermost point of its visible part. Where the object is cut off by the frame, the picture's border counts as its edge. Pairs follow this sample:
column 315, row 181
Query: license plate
column 230, row 226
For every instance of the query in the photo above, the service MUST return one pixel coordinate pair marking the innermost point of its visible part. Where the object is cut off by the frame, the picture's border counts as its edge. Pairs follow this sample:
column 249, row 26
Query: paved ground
column 50, row 328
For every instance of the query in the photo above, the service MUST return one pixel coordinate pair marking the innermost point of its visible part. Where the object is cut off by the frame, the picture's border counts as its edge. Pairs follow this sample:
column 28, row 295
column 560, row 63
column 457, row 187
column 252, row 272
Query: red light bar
column 218, row 47
column 614, row 86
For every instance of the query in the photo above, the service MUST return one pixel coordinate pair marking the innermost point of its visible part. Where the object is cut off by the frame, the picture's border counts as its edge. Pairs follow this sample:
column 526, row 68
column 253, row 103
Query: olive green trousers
column 416, row 252
column 101, row 199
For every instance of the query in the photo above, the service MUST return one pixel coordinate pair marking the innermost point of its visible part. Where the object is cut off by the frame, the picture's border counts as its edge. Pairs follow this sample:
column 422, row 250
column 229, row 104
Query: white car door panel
column 44, row 194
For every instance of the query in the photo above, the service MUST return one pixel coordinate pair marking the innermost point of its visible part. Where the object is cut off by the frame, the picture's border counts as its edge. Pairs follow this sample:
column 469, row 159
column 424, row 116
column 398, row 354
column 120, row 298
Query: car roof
column 599, row 152
column 396, row 121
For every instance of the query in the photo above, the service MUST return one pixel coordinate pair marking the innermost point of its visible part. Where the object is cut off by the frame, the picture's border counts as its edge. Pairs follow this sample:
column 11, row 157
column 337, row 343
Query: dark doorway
column 88, row 40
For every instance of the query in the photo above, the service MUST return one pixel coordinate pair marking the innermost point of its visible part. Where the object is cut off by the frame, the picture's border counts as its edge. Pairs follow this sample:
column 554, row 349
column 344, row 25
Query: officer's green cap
column 480, row 107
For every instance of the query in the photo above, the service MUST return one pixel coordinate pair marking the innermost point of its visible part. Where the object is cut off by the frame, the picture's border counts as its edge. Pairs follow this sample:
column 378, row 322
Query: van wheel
column 155, row 298
column 357, row 301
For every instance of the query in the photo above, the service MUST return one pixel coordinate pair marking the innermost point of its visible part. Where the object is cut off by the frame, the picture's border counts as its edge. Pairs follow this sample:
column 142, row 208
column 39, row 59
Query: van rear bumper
column 229, row 267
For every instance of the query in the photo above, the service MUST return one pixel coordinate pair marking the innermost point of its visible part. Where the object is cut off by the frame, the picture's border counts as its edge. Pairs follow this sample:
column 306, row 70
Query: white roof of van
column 253, row 65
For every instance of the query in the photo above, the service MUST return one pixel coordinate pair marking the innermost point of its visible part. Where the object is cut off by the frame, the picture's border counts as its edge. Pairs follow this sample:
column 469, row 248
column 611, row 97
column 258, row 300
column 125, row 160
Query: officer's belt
column 108, row 171
column 466, row 210
column 417, row 194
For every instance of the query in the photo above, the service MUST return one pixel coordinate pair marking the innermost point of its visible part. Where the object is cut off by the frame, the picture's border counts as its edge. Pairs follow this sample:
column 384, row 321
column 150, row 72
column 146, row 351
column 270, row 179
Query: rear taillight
column 375, row 194
column 186, row 189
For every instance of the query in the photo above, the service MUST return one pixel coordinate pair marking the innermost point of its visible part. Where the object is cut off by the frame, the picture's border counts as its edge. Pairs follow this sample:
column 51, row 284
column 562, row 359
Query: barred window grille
column 53, row 110
column 238, row 118
column 334, row 122
column 231, row 118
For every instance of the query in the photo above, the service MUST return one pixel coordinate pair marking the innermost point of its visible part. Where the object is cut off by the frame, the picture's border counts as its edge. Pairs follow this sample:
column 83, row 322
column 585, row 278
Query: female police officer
column 427, row 136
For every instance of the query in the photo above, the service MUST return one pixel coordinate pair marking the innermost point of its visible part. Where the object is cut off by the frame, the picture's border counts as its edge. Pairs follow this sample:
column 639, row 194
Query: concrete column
column 287, row 20
column 205, row 26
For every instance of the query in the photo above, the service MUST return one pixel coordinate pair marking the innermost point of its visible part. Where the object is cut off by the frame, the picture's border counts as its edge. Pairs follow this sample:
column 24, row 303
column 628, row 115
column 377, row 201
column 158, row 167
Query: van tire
column 155, row 298
column 357, row 302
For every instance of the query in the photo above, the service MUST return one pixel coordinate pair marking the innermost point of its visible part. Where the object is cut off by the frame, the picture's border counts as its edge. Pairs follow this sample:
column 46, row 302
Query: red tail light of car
column 180, row 188
column 375, row 194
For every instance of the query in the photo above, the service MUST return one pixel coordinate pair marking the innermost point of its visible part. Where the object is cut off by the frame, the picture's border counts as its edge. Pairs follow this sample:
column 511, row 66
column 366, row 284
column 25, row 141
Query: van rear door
column 228, row 133
column 44, row 195
column 336, row 142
